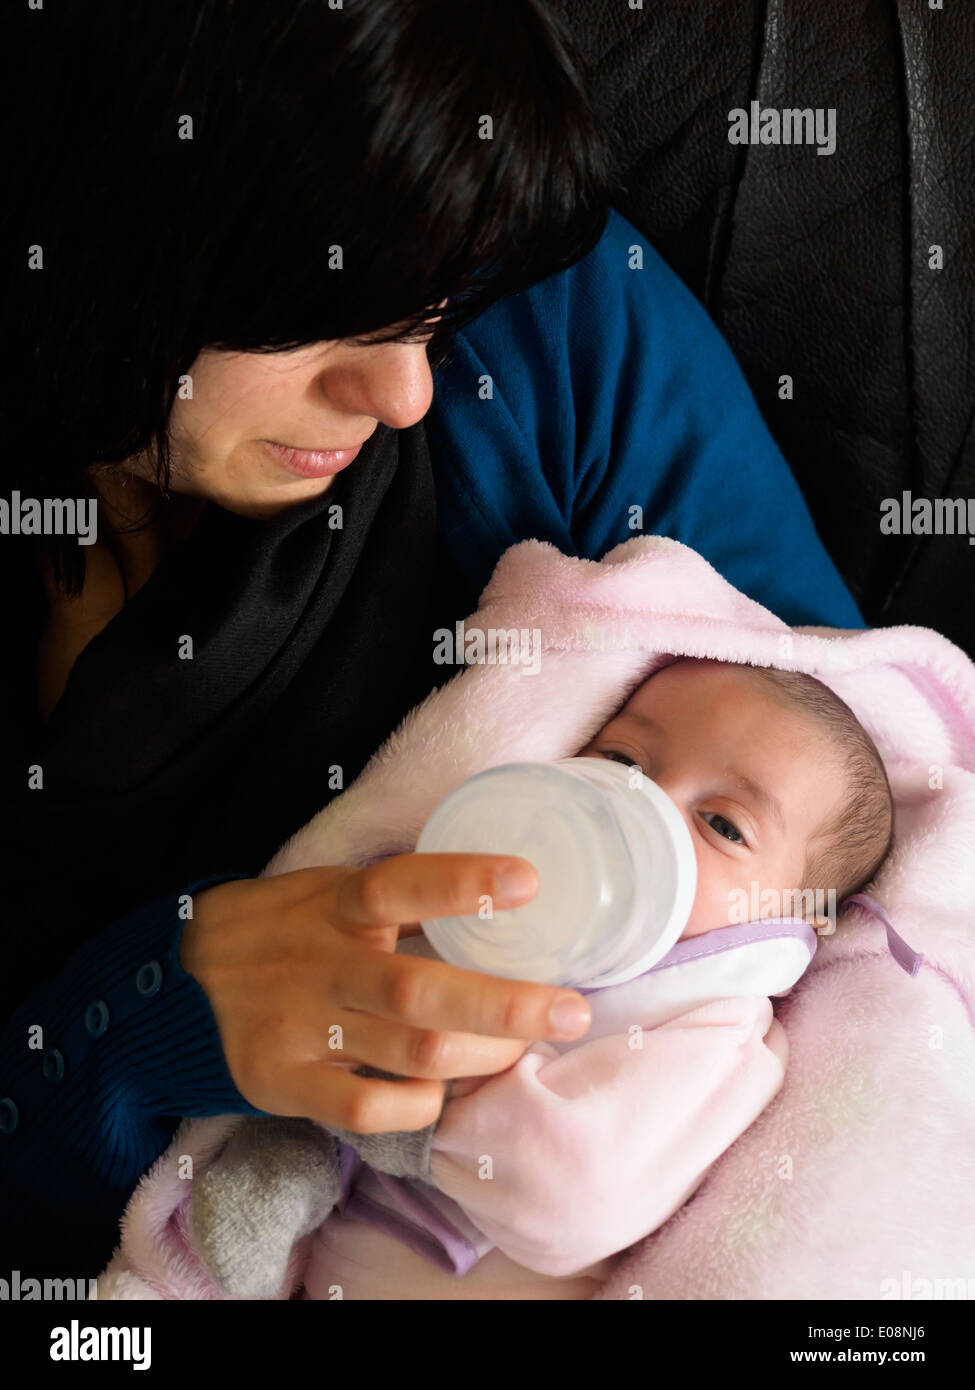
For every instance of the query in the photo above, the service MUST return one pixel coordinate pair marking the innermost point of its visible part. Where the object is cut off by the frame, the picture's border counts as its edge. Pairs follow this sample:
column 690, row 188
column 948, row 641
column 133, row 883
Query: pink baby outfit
column 617, row 1128
column 838, row 1225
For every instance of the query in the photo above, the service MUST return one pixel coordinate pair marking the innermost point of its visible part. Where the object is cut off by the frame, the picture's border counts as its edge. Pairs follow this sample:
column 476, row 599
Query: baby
column 591, row 1145
column 777, row 780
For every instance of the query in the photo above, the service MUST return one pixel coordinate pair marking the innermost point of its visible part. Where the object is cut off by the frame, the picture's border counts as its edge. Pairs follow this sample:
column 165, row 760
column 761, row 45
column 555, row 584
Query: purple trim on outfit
column 744, row 933
column 430, row 1235
column 422, row 1226
column 738, row 934
column 906, row 957
column 350, row 1165
column 455, row 1253
column 722, row 939
column 423, row 1243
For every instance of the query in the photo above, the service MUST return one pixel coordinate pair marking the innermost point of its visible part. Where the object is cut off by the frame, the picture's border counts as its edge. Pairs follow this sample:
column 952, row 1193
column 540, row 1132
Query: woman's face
column 260, row 430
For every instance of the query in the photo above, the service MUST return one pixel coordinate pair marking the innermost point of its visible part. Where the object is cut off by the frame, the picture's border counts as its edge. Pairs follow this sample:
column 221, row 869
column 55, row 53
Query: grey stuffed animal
column 276, row 1180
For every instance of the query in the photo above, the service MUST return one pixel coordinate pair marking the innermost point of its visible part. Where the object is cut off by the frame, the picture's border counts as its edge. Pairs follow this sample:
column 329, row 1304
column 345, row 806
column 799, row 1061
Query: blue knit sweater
column 598, row 405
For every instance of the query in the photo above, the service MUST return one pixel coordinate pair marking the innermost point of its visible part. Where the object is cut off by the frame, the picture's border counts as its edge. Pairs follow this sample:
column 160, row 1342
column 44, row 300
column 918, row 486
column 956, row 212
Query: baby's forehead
column 720, row 692
column 703, row 674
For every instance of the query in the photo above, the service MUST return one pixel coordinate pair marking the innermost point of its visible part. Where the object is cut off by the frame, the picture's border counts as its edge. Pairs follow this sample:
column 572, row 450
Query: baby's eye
column 620, row 758
column 724, row 827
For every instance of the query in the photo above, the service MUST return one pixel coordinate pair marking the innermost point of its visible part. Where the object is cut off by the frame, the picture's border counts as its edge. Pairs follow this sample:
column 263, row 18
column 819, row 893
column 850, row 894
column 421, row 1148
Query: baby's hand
column 464, row 1085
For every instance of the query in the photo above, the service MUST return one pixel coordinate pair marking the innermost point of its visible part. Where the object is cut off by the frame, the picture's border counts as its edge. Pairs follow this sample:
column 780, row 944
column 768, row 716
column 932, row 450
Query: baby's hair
column 850, row 849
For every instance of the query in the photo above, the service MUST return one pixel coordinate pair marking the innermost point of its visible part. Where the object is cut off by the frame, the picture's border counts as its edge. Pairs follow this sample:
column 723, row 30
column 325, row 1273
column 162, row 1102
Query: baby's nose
column 676, row 787
column 669, row 782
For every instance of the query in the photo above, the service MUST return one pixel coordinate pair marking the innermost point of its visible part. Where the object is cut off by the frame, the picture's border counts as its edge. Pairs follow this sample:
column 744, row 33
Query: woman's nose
column 391, row 382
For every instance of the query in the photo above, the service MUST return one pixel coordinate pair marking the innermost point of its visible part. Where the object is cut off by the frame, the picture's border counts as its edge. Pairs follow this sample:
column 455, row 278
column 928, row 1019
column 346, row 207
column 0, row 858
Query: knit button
column 53, row 1065
column 8, row 1116
column 149, row 978
column 96, row 1018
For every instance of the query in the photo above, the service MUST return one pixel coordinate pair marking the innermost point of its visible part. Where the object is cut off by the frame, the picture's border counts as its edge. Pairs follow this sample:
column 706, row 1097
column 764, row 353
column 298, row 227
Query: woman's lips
column 312, row 463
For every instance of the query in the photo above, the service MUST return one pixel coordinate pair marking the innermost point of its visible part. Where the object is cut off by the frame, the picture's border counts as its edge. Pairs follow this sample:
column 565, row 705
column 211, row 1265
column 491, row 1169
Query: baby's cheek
column 712, row 903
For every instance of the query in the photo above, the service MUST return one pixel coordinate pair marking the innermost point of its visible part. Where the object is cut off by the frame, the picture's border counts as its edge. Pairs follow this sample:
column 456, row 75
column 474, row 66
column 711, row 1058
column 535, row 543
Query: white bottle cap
column 617, row 871
column 663, row 853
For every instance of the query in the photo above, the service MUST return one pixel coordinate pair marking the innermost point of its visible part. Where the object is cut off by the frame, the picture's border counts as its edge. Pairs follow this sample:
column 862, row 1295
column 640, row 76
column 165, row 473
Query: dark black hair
column 358, row 127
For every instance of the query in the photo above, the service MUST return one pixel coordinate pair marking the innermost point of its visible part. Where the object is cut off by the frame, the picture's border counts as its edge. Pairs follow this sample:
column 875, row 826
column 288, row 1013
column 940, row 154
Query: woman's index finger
column 432, row 995
column 414, row 887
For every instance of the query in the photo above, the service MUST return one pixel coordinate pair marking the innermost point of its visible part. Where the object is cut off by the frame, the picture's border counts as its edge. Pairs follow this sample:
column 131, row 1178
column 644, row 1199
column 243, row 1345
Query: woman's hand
column 302, row 976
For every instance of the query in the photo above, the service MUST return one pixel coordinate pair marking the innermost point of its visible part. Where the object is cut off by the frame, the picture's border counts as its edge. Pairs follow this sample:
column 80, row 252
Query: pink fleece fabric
column 855, row 1179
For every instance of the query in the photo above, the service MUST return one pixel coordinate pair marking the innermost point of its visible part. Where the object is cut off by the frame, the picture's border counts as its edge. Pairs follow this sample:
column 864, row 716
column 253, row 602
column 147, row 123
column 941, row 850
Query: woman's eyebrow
column 760, row 794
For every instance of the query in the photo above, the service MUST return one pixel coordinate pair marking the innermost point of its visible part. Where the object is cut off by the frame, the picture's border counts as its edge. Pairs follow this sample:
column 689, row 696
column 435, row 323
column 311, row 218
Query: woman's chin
column 261, row 503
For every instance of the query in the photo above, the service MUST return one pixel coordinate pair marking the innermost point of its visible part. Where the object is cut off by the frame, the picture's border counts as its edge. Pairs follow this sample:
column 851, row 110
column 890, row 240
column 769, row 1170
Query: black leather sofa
column 820, row 267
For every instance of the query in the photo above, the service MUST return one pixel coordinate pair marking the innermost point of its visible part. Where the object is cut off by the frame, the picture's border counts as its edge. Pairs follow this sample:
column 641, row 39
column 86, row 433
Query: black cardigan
column 309, row 642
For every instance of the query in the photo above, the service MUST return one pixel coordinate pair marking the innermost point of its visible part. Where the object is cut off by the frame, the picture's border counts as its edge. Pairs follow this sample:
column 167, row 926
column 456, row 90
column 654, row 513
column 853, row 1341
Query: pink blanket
column 854, row 1182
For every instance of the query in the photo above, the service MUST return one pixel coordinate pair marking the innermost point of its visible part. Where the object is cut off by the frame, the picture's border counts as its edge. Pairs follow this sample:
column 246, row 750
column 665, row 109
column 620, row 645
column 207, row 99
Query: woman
column 253, row 232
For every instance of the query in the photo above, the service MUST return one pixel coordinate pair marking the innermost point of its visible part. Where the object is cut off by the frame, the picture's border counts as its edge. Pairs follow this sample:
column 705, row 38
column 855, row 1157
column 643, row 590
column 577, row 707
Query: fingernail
column 569, row 1014
column 514, row 882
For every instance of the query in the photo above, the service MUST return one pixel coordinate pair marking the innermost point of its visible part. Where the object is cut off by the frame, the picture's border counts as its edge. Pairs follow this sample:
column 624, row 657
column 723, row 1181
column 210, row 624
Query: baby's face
column 754, row 780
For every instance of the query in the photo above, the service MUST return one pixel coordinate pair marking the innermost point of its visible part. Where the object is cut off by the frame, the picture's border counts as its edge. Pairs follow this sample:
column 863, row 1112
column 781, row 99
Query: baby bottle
column 616, row 868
